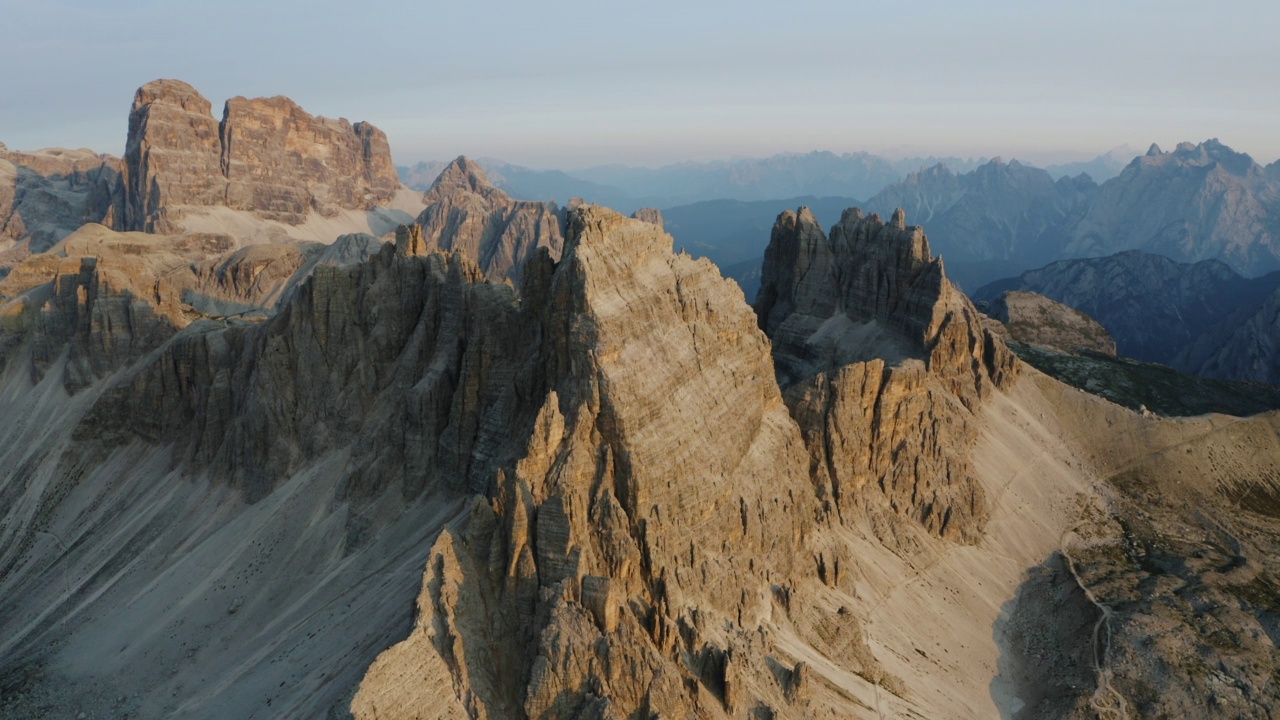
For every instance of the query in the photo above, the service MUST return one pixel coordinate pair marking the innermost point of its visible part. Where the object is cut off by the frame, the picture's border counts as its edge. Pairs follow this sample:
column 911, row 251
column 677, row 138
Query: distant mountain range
column 1101, row 169
column 816, row 174
column 989, row 219
column 1202, row 318
column 1199, row 202
column 996, row 219
column 1196, row 203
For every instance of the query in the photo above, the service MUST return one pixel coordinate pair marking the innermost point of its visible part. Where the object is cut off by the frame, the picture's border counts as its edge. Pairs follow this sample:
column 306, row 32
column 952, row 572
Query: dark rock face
column 1201, row 318
column 467, row 213
column 1246, row 346
column 47, row 194
column 266, row 156
column 872, row 343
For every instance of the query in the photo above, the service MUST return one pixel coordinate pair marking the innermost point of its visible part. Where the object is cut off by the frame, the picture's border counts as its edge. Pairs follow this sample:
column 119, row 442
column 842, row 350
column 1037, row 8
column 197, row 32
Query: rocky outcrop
column 1036, row 320
column 47, row 194
column 872, row 343
column 1201, row 318
column 100, row 300
column 103, row 299
column 634, row 509
column 467, row 213
column 267, row 156
column 653, row 216
column 595, row 489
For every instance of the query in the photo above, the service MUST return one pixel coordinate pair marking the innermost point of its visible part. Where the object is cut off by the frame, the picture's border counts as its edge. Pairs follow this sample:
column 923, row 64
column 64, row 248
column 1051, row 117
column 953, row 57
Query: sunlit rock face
column 883, row 363
column 267, row 156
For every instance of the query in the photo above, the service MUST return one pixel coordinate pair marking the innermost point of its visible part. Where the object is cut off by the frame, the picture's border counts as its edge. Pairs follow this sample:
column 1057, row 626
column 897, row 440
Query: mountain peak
column 1154, row 150
column 172, row 92
column 463, row 175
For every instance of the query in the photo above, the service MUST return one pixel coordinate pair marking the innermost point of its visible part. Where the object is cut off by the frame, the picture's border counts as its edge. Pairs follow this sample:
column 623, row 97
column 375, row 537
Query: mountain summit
column 266, row 156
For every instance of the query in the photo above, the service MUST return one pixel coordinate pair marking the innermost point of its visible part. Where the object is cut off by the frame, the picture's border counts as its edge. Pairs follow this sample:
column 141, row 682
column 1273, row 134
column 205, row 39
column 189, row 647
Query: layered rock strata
column 883, row 363
column 100, row 300
column 639, row 515
column 616, row 512
column 467, row 213
column 267, row 156
column 606, row 571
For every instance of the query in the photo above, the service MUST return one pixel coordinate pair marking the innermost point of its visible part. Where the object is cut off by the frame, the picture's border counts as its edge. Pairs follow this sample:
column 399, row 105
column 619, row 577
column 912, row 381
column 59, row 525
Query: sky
column 573, row 84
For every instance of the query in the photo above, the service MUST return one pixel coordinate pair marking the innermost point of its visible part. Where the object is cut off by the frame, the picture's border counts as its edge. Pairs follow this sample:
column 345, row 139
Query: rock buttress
column 267, row 156
column 629, row 560
column 882, row 362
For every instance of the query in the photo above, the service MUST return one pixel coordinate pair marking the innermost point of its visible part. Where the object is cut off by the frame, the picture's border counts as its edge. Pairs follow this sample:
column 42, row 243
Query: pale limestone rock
column 267, row 156
column 46, row 194
column 656, row 492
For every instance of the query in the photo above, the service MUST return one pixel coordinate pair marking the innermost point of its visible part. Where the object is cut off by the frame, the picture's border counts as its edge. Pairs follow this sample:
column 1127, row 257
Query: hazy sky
column 568, row 84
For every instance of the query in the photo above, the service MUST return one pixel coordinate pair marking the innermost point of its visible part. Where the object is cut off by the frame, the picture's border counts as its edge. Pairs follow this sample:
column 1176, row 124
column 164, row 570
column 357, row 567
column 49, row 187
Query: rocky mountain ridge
column 1199, row 202
column 617, row 506
column 1195, row 203
column 1200, row 318
column 467, row 213
column 865, row 328
column 479, row 473
column 626, row 188
column 998, row 211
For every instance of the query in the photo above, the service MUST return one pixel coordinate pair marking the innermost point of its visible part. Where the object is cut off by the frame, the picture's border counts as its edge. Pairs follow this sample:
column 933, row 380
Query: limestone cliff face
column 883, row 363
column 267, row 156
column 47, row 194
column 653, row 216
column 627, row 560
column 465, row 212
column 640, row 507
column 104, row 299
